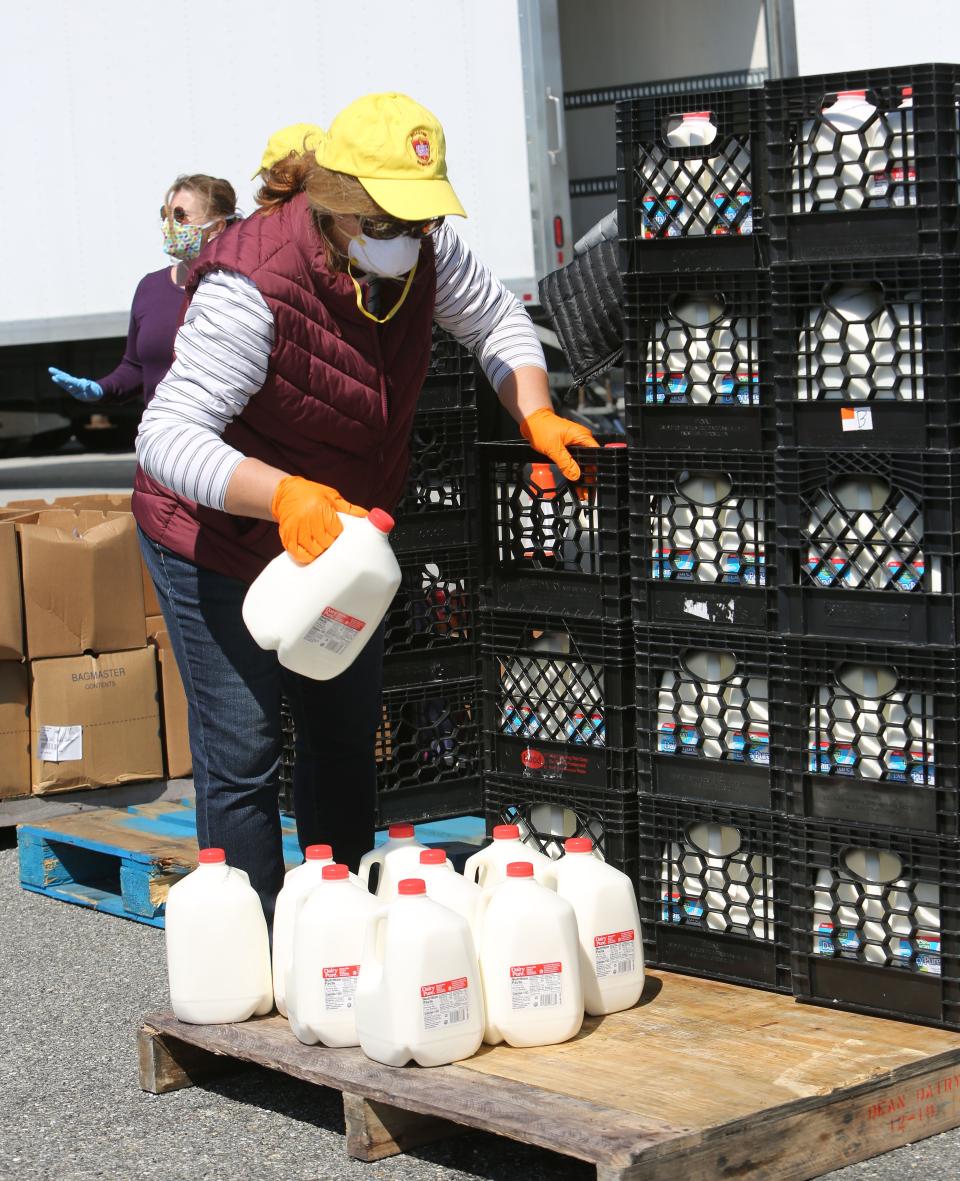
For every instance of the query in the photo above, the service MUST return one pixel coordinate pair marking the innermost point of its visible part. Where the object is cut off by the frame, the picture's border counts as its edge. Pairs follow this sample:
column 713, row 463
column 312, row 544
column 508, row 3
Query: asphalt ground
column 74, row 986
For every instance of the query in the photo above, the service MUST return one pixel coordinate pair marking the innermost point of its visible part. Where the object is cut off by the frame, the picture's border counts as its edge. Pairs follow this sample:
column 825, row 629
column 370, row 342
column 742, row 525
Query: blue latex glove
column 81, row 388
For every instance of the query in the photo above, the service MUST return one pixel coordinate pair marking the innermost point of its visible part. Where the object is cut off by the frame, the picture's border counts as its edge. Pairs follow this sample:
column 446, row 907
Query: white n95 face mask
column 390, row 258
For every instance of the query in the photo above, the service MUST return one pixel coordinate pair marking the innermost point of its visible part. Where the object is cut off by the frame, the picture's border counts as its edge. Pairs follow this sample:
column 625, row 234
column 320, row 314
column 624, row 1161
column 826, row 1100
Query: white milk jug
column 446, row 886
column 608, row 922
column 218, row 950
column 529, row 963
column 398, row 857
column 297, row 883
column 866, row 910
column 318, row 617
column 488, row 867
column 419, row 994
column 839, row 154
column 330, row 926
column 702, row 355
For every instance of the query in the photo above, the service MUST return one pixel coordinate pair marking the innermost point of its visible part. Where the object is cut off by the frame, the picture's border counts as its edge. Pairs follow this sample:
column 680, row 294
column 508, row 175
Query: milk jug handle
column 471, row 865
column 371, row 939
column 366, row 861
column 482, row 903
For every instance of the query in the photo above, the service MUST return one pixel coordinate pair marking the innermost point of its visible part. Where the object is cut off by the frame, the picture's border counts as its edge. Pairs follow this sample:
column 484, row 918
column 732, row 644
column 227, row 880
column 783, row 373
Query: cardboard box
column 14, row 730
column 151, row 605
column 176, row 732
column 82, row 585
column 95, row 721
column 155, row 624
column 11, row 607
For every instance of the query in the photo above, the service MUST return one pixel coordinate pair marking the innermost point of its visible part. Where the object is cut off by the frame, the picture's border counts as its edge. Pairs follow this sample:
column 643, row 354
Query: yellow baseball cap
column 298, row 137
column 396, row 150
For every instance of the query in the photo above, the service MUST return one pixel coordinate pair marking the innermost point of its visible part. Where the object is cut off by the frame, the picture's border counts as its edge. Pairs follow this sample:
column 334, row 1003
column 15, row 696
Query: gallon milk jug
column 839, row 154
column 331, row 923
column 867, row 910
column 296, row 885
column 489, row 867
column 446, row 886
column 318, row 617
column 529, row 963
column 398, row 857
column 419, row 994
column 608, row 921
column 218, row 950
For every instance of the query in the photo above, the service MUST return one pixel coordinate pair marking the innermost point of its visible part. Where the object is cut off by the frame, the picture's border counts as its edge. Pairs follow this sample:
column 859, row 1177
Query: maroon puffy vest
column 338, row 402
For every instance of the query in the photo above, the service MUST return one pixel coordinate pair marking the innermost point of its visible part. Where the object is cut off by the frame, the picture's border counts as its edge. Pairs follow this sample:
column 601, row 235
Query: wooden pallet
column 124, row 861
column 700, row 1081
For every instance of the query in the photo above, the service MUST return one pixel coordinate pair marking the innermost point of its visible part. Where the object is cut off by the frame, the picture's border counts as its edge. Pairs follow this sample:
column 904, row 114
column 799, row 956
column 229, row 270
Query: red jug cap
column 318, row 853
column 433, row 857
column 520, row 869
column 578, row 845
column 614, row 446
column 506, row 832
column 412, row 886
column 212, row 857
column 381, row 520
column 335, row 873
column 400, row 830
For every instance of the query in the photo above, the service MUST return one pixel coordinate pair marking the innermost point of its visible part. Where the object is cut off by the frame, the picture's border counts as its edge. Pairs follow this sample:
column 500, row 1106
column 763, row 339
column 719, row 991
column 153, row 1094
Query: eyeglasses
column 178, row 213
column 388, row 227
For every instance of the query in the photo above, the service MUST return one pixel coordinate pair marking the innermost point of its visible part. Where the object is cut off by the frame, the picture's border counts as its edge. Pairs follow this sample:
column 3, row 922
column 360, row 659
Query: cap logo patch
column 420, row 142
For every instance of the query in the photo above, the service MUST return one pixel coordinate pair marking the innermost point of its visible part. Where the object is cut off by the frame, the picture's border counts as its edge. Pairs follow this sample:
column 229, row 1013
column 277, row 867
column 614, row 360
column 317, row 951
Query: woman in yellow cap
column 291, row 399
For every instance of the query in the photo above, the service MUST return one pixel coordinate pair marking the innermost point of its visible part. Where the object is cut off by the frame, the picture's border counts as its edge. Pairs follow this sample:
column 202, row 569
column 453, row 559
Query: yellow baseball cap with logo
column 396, row 150
column 298, row 137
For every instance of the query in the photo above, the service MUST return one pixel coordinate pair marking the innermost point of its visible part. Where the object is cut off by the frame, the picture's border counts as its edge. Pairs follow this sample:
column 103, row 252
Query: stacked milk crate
column 699, row 401
column 862, row 215
column 428, row 744
column 557, row 653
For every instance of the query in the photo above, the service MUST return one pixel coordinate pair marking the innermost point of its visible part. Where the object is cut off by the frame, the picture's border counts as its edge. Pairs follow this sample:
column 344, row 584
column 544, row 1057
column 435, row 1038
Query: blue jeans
column 233, row 691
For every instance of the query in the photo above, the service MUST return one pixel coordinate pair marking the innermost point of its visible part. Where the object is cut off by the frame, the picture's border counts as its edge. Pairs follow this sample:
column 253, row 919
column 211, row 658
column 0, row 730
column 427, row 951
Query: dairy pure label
column 334, row 630
column 615, row 953
column 536, row 986
column 445, row 1003
column 339, row 987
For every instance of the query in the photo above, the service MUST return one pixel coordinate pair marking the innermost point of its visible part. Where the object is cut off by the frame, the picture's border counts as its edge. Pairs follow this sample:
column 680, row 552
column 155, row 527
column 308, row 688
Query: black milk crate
column 558, row 699
column 427, row 752
column 867, row 353
column 707, row 715
column 863, row 164
column 868, row 544
column 875, row 921
column 439, row 506
column 432, row 626
column 691, row 208
column 548, row 814
column 698, row 371
column 870, row 733
column 451, row 381
column 550, row 545
column 702, row 531
column 714, row 892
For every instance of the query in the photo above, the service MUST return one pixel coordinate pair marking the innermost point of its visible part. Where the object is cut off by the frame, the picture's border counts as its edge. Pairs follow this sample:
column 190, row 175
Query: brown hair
column 328, row 193
column 217, row 194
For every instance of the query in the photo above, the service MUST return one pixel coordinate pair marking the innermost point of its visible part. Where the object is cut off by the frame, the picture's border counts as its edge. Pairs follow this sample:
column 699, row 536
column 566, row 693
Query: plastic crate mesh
column 707, row 708
column 440, row 472
column 861, row 724
column 702, row 353
column 711, row 878
column 860, row 531
column 705, row 531
column 436, row 602
column 868, row 907
column 428, row 735
column 856, row 152
column 694, row 183
column 856, row 346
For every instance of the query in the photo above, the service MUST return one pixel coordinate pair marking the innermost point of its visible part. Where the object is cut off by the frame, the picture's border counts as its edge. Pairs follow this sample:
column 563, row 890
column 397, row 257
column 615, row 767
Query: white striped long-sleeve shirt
column 224, row 346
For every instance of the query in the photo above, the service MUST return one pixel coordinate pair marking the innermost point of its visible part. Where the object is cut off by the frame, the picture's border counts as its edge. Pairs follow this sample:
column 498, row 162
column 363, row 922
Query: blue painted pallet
column 123, row 861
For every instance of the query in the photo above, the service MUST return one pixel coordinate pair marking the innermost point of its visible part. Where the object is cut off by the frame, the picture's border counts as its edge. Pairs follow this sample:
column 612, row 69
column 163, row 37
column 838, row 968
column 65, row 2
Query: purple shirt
column 154, row 319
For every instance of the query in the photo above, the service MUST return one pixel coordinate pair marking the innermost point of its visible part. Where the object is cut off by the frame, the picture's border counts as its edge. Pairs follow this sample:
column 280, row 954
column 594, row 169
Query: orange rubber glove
column 307, row 515
column 551, row 435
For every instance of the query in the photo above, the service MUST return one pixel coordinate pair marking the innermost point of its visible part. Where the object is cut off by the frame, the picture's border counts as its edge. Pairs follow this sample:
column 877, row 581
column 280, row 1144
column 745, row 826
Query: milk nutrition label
column 615, row 953
column 339, row 987
column 334, row 630
column 536, row 986
column 445, row 1003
